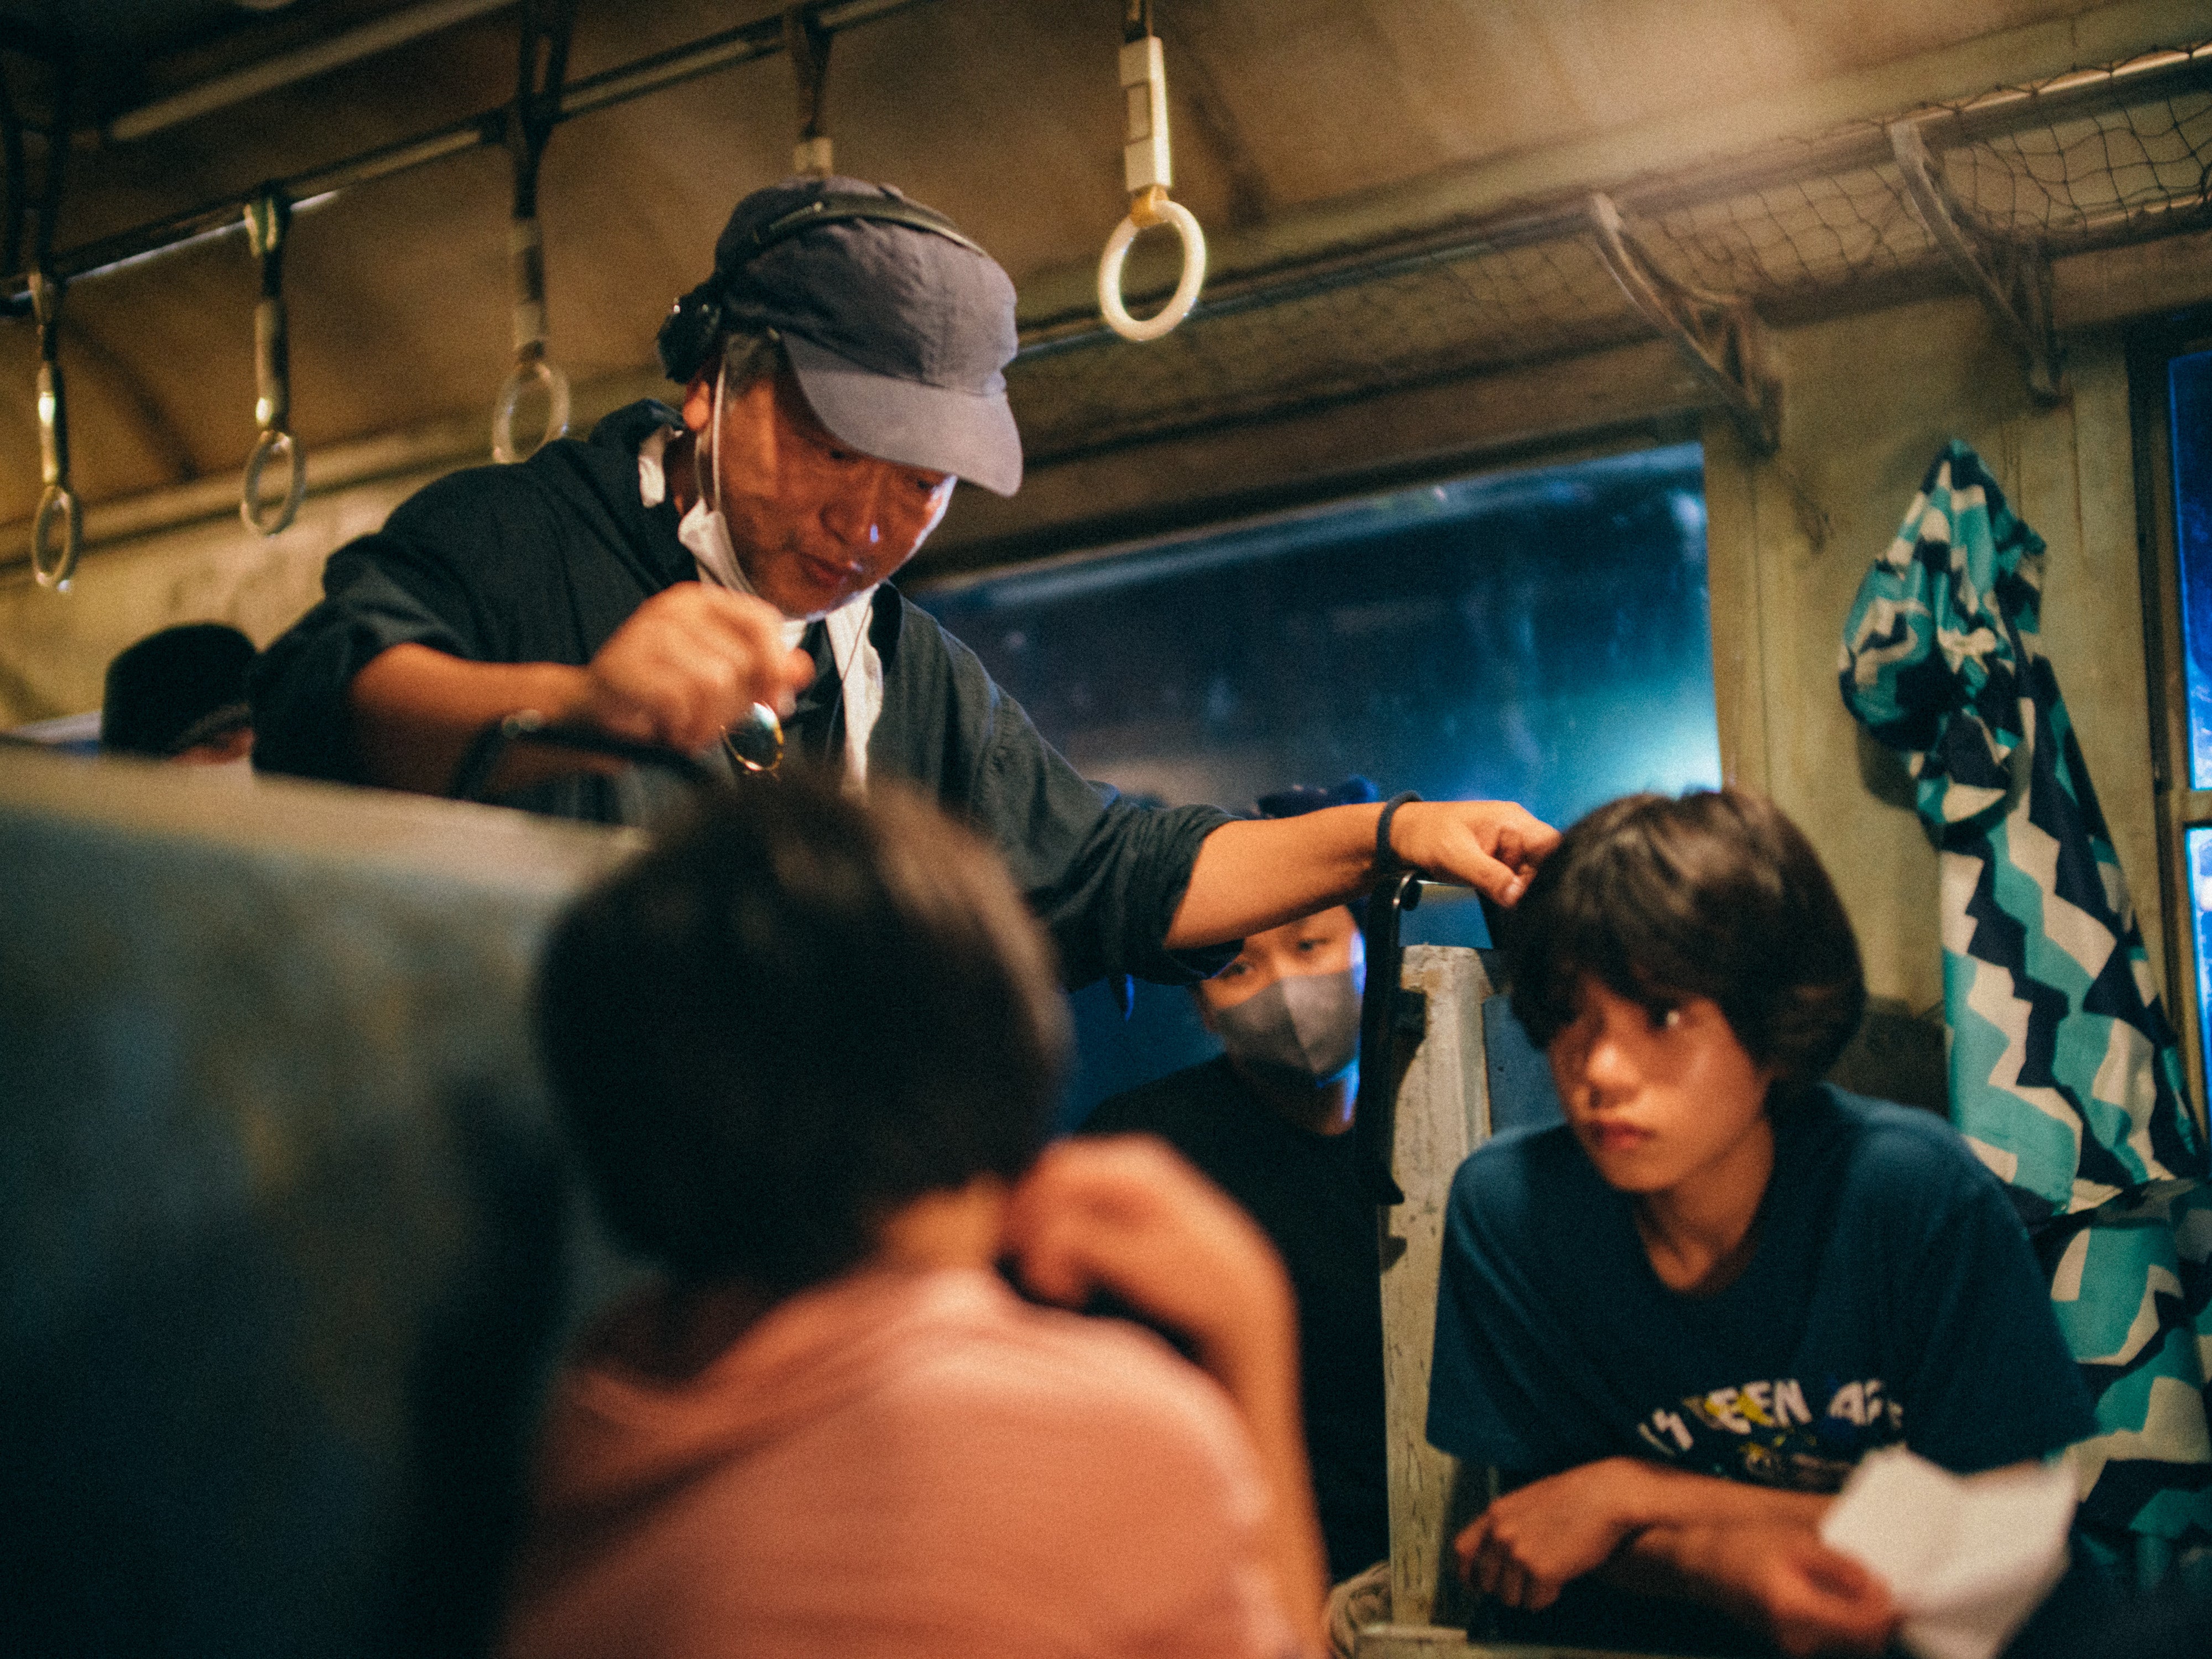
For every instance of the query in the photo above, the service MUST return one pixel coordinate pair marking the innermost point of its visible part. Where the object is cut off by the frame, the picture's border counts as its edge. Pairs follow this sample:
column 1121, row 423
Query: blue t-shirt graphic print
column 1763, row 1431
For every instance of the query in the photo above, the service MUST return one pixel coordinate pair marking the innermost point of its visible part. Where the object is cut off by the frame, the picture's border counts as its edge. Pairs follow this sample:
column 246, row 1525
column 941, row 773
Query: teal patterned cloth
column 2066, row 1077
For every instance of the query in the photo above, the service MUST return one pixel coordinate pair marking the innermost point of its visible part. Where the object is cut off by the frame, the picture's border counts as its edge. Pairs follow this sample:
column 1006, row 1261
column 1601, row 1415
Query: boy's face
column 1327, row 943
column 1669, row 1104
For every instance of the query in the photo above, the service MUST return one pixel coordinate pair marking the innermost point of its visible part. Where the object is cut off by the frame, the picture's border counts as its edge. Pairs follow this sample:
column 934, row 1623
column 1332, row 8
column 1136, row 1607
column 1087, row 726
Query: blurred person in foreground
column 808, row 1050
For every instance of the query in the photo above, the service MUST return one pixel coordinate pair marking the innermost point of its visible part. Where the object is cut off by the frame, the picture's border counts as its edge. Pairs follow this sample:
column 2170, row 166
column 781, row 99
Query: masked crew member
column 1268, row 1121
column 840, row 369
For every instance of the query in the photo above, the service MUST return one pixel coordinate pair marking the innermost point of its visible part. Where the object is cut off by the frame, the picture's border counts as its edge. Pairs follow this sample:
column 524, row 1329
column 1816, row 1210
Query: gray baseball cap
column 898, row 327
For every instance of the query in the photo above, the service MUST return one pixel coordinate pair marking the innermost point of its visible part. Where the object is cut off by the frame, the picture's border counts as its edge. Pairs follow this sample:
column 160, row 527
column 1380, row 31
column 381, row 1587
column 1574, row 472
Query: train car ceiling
column 1847, row 233
column 1401, row 196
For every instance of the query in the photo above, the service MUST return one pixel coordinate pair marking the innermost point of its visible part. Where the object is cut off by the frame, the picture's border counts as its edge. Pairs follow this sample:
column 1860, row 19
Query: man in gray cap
column 841, row 369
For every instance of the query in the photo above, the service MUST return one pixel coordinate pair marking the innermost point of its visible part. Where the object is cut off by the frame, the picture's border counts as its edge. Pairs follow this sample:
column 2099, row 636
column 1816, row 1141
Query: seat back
column 287, row 1243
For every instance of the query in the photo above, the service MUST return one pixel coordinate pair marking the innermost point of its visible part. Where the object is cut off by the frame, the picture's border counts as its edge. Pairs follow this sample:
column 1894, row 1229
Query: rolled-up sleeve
column 381, row 591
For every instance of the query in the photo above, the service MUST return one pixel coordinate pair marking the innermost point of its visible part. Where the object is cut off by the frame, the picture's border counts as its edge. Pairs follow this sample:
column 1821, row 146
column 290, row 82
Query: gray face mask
column 1305, row 1028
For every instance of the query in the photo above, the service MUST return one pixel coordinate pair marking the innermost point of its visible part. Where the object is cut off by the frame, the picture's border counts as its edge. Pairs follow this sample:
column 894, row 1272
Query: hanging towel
column 2065, row 1076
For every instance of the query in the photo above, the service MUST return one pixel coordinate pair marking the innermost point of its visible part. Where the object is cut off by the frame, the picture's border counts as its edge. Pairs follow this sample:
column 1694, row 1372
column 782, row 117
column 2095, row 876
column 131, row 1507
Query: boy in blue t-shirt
column 1674, row 1323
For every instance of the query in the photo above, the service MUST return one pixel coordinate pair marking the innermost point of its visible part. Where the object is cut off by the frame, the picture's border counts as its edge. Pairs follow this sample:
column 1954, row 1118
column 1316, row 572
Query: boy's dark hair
column 1716, row 895
column 789, row 1019
column 176, row 688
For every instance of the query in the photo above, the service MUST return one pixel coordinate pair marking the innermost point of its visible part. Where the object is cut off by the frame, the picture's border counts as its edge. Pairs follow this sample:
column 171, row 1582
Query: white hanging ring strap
column 1147, row 170
column 268, row 220
column 52, row 566
column 532, row 373
column 269, row 516
column 543, row 67
column 1185, row 225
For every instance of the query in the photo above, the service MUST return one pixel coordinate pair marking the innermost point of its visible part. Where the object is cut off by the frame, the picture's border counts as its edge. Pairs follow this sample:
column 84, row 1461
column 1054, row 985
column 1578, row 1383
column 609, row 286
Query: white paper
column 1967, row 1558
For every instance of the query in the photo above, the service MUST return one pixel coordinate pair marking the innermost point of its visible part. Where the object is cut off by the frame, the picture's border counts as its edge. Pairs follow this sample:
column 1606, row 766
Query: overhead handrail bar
column 543, row 65
column 2155, row 76
column 658, row 70
column 288, row 68
column 1147, row 171
column 268, row 225
column 14, row 181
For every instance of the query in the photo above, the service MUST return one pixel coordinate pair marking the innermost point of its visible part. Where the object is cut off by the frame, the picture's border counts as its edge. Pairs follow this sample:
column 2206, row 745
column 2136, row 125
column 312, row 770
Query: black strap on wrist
column 1387, row 861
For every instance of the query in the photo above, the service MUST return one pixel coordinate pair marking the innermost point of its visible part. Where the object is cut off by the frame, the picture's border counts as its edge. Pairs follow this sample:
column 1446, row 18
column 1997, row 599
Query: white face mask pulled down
column 705, row 533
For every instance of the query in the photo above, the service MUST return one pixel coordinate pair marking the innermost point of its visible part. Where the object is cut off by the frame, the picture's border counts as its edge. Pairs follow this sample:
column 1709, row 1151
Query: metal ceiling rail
column 742, row 45
column 286, row 68
column 1857, row 148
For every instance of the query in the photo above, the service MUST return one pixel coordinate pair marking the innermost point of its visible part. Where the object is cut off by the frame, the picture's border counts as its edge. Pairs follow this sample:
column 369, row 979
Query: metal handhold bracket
column 1386, row 1016
column 268, row 224
column 807, row 43
column 53, row 562
column 541, row 72
column 1719, row 335
column 1148, row 170
column 2010, row 275
column 58, row 523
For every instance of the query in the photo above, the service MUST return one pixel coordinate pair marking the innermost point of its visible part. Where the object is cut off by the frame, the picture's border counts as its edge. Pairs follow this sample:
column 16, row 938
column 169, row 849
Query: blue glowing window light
column 1541, row 636
column 2189, row 385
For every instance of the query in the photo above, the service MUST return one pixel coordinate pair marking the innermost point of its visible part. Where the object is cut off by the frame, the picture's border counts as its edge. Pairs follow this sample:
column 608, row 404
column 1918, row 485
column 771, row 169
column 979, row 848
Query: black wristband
column 1387, row 861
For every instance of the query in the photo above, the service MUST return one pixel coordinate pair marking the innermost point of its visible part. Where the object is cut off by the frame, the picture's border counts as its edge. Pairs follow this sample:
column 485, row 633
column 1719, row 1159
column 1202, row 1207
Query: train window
column 1540, row 635
column 2189, row 397
column 2199, row 845
column 2171, row 374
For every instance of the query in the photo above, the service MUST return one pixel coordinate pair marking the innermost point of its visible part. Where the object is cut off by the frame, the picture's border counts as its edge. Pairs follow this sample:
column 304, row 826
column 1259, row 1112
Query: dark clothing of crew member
column 1304, row 1190
column 543, row 562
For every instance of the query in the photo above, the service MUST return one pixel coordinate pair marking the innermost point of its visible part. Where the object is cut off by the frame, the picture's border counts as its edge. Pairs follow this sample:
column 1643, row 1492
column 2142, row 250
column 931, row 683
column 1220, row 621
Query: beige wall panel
column 55, row 648
column 1734, row 566
column 1869, row 400
column 2076, row 486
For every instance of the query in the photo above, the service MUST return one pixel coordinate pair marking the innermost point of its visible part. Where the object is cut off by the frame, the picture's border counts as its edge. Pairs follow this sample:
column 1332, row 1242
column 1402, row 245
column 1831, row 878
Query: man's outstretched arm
column 1253, row 875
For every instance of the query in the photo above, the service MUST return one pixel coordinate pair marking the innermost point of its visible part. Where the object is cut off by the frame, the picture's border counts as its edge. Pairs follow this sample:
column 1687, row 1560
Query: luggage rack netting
column 1489, row 310
column 2089, row 159
column 2123, row 168
column 2104, row 167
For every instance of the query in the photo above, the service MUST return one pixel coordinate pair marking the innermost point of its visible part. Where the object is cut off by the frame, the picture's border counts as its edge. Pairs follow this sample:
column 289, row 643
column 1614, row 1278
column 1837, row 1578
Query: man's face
column 813, row 521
